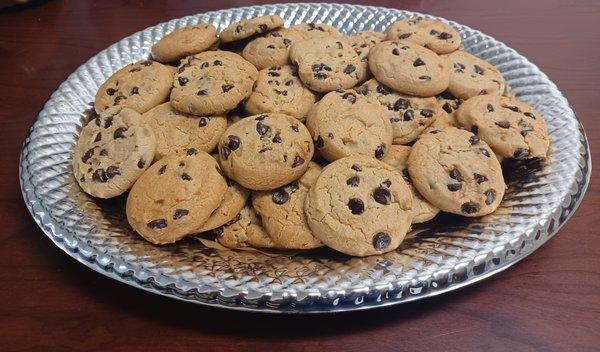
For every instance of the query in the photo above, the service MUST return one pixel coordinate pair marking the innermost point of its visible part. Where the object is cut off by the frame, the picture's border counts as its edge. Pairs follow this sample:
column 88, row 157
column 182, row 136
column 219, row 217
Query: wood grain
column 48, row 302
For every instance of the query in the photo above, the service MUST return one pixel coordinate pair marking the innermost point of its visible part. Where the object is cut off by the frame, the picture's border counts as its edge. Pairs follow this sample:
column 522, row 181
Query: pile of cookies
column 299, row 137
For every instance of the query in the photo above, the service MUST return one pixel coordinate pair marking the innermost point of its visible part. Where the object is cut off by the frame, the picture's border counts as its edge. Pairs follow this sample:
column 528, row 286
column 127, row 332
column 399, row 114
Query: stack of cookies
column 294, row 138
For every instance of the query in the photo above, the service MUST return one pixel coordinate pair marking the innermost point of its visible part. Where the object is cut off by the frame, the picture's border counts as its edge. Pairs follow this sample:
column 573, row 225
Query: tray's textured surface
column 433, row 260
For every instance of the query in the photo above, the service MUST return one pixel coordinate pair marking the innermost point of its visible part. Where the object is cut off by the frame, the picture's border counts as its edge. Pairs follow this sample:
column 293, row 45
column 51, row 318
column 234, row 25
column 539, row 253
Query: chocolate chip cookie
column 511, row 127
column 326, row 64
column 250, row 27
column 362, row 42
column 139, row 86
column 435, row 35
column 212, row 83
column 272, row 49
column 233, row 202
column 311, row 30
column 185, row 41
column 176, row 131
column 244, row 230
column 175, row 196
column 408, row 115
column 409, row 68
column 112, row 152
column 264, row 152
column 456, row 172
column 346, row 123
column 471, row 76
column 278, row 89
column 359, row 206
column 282, row 212
column 397, row 156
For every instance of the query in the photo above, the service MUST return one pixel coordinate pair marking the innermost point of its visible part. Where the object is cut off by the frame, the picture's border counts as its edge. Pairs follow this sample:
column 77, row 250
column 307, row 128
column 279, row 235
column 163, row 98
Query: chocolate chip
column 473, row 140
column 146, row 63
column 227, row 87
column 435, row 131
column 453, row 187
column 186, row 177
column 111, row 91
column 225, row 153
column 396, row 52
column 521, row 153
column 320, row 75
column 479, row 178
column 239, row 28
column 381, row 89
column 289, row 82
column 353, row 181
column 427, row 113
column 103, row 152
column 98, row 137
column 418, row 62
column 120, row 132
column 319, row 142
column 490, row 108
column 386, row 183
column 179, row 213
column 287, row 42
column 380, row 151
column 469, row 207
column 405, row 175
column 490, row 195
column 191, row 151
column 204, row 65
column 425, row 78
column 434, row 32
column 455, row 174
column 356, row 167
column 280, row 196
column 408, row 115
column 513, row 108
column 382, row 195
column 270, row 46
column 87, row 155
column 484, row 151
column 339, row 45
column 404, row 36
column 350, row 97
column 277, row 138
column 273, row 74
column 349, row 69
column 482, row 92
column 297, row 161
column 119, row 98
column 134, row 91
column 502, row 124
column 141, row 163
column 528, row 114
column 474, row 129
column 157, row 224
column 401, row 104
column 112, row 171
column 356, row 206
column 447, row 108
column 261, row 128
column 99, row 176
column 261, row 117
column 478, row 69
column 330, row 135
column 182, row 68
column 202, row 92
column 381, row 241
column 445, row 36
column 524, row 133
column 218, row 63
column 182, row 80
column 295, row 128
column 233, row 143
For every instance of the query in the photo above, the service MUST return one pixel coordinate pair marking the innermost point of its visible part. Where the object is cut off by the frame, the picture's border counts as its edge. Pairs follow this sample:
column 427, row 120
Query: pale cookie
column 409, row 115
column 245, row 230
column 471, row 76
column 267, row 151
column 250, row 27
column 456, row 172
column 315, row 30
column 233, row 202
column 185, row 41
column 175, row 196
column 346, row 123
column 409, row 68
column 139, row 86
column 359, row 206
column 512, row 128
column 397, row 156
column 447, row 117
column 326, row 64
column 278, row 89
column 212, row 83
column 282, row 212
column 176, row 131
column 112, row 152
column 272, row 49
column 362, row 42
column 433, row 34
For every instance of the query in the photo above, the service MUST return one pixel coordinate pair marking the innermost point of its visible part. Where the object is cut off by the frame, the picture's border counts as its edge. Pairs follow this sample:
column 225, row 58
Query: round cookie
column 312, row 30
column 233, row 202
column 212, row 83
column 278, row 89
column 362, row 42
column 112, row 152
column 326, row 64
column 185, row 41
column 267, row 151
column 247, row 28
column 176, row 131
column 512, row 128
column 139, row 86
column 447, row 115
column 456, row 172
column 245, row 230
column 397, row 156
column 409, row 68
column 471, row 76
column 359, row 206
column 346, row 123
column 435, row 35
column 409, row 115
column 282, row 212
column 175, row 196
column 272, row 49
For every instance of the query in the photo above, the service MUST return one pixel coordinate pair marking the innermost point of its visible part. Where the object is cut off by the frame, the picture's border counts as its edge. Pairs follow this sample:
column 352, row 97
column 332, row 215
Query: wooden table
column 48, row 302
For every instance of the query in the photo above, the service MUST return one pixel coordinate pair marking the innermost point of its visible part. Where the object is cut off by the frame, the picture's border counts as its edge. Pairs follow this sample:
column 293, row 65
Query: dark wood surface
column 48, row 302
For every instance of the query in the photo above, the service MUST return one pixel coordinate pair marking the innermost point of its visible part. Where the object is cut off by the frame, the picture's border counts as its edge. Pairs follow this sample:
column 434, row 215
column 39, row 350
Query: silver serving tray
column 439, row 257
